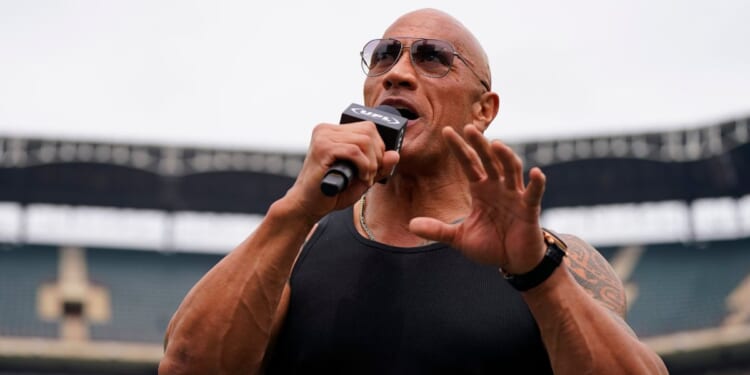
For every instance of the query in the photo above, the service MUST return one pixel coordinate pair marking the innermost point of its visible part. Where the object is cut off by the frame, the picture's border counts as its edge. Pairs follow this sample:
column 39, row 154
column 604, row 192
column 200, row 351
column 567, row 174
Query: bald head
column 436, row 24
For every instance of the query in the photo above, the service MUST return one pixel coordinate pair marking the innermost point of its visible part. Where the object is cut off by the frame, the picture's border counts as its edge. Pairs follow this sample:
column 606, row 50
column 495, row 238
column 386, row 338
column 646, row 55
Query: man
column 403, row 277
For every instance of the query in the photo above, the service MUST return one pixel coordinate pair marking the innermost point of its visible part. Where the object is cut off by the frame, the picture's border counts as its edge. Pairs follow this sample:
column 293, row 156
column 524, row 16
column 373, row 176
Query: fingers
column 512, row 166
column 490, row 164
column 358, row 143
column 481, row 159
column 467, row 156
column 390, row 159
column 535, row 190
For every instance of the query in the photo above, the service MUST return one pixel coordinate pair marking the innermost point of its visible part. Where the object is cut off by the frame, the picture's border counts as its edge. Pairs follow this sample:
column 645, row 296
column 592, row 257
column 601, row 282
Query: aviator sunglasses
column 430, row 57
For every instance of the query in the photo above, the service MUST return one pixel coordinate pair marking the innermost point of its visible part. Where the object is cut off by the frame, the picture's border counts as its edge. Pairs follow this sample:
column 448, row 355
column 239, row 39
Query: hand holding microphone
column 391, row 127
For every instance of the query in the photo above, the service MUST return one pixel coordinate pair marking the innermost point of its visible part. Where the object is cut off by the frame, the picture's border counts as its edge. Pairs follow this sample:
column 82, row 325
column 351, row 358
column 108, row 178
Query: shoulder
column 592, row 271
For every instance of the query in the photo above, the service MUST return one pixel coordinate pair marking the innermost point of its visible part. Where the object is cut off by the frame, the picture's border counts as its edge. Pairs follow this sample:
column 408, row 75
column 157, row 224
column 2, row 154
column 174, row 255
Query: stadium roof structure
column 703, row 162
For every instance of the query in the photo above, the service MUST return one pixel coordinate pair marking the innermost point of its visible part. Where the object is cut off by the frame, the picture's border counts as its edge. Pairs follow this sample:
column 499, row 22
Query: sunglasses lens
column 379, row 55
column 433, row 57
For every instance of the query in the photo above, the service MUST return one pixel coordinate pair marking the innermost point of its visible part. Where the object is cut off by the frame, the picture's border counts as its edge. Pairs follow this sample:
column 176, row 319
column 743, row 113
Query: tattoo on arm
column 594, row 274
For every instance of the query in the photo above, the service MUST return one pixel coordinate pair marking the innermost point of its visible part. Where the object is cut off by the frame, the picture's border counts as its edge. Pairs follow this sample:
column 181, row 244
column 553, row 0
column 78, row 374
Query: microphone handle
column 337, row 177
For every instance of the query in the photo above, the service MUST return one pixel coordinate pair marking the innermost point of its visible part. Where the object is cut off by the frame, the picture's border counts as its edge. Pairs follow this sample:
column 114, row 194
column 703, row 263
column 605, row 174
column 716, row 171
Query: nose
column 401, row 74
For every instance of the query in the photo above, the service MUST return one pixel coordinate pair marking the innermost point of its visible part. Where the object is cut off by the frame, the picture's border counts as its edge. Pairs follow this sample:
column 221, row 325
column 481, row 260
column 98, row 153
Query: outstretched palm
column 503, row 226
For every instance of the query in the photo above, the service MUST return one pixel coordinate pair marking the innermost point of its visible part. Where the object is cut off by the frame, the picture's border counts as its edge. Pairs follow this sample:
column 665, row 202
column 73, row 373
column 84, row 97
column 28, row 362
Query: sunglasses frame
column 366, row 70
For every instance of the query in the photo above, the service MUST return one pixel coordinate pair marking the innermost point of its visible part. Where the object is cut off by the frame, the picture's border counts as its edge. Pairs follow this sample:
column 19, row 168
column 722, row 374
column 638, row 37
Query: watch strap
column 553, row 256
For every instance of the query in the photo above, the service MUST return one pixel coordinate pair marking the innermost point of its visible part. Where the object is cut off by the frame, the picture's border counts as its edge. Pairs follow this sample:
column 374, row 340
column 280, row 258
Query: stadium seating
column 145, row 288
column 680, row 287
column 23, row 268
column 683, row 287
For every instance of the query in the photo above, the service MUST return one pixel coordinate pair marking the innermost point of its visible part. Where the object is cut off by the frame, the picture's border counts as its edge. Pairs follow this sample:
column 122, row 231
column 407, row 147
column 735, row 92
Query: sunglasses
column 430, row 57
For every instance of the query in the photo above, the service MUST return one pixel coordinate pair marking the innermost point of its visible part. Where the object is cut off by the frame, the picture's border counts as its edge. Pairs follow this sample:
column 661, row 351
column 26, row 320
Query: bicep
column 592, row 271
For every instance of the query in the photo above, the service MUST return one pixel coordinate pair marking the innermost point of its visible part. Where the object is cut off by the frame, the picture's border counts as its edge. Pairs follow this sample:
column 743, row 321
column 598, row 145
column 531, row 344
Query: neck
column 390, row 207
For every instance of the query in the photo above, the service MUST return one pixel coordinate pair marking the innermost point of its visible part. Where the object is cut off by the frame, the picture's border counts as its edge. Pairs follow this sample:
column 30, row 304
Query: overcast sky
column 261, row 74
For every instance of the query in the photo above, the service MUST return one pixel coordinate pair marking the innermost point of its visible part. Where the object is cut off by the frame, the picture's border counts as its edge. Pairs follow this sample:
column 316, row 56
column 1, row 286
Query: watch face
column 551, row 238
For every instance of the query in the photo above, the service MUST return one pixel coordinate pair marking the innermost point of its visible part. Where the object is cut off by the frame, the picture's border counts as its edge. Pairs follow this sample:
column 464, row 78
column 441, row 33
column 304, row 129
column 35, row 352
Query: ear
column 485, row 109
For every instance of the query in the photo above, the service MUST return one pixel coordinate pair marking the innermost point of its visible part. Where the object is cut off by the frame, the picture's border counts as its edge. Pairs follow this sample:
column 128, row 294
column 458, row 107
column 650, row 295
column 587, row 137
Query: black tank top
column 361, row 307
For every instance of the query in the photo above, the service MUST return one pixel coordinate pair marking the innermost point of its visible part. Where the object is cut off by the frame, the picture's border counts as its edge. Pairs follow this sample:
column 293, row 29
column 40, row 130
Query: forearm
column 582, row 336
column 224, row 323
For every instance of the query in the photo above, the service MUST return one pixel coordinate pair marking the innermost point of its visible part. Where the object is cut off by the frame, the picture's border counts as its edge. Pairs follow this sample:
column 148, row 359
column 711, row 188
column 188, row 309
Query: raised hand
column 502, row 228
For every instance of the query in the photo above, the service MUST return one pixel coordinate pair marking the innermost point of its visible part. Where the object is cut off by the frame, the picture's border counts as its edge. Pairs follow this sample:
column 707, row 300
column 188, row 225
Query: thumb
column 433, row 229
column 390, row 159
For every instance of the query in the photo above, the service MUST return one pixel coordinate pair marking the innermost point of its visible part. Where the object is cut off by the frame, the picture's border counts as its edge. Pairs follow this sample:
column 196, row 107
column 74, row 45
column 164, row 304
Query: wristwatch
column 552, row 258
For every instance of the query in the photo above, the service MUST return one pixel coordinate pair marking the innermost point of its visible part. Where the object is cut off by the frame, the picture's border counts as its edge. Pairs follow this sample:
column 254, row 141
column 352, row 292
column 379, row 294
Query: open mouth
column 408, row 113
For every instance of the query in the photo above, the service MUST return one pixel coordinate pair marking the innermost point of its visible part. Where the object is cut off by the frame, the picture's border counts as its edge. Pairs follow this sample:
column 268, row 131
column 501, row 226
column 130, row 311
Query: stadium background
column 101, row 241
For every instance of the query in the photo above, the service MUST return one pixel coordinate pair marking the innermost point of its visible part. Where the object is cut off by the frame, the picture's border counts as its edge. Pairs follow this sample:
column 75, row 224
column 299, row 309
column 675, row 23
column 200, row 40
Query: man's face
column 432, row 102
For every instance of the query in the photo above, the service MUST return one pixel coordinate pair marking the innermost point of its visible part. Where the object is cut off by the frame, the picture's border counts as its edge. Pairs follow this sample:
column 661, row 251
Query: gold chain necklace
column 367, row 230
column 362, row 220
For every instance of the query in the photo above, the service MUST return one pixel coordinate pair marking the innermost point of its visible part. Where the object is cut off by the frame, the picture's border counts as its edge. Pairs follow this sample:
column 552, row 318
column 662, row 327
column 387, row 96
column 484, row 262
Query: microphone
column 391, row 127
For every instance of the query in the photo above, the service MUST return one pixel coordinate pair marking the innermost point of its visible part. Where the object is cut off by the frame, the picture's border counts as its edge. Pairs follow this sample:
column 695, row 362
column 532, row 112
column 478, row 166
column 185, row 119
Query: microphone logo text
column 375, row 115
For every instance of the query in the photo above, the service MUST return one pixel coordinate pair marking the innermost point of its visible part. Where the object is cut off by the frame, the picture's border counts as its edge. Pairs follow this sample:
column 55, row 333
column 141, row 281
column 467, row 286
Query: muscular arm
column 581, row 323
column 224, row 324
column 596, row 276
column 227, row 320
column 580, row 311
